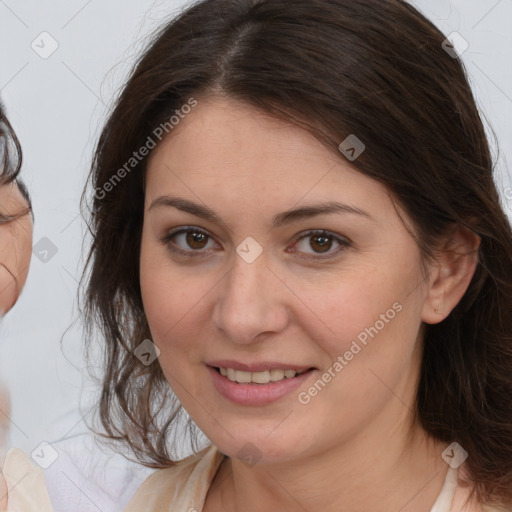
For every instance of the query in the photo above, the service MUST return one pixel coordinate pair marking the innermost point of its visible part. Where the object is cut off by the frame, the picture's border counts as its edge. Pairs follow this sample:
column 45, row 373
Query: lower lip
column 256, row 394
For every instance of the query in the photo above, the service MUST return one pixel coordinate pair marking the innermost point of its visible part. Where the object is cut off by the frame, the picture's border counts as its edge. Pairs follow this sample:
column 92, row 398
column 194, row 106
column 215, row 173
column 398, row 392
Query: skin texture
column 290, row 306
column 15, row 245
column 15, row 253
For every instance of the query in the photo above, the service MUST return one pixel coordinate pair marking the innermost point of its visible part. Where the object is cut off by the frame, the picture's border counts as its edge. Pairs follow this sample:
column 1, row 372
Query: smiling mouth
column 264, row 377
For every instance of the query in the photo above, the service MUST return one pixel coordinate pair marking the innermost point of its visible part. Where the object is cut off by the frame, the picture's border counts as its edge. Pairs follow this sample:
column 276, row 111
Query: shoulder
column 88, row 475
column 184, row 485
column 25, row 484
column 465, row 496
column 72, row 474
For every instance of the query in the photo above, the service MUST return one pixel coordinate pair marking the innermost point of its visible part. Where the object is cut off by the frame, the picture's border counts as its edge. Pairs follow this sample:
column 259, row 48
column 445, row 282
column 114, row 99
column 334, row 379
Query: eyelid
column 166, row 240
column 343, row 242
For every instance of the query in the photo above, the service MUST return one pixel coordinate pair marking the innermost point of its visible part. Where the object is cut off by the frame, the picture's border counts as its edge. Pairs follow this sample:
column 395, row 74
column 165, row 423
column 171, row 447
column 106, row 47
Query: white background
column 57, row 106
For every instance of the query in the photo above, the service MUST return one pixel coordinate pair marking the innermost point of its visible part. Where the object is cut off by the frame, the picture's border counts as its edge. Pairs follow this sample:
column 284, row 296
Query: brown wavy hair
column 11, row 158
column 374, row 68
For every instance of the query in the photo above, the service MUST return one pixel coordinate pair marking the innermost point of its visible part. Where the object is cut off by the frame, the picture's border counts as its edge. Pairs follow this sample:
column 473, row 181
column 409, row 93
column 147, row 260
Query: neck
column 378, row 471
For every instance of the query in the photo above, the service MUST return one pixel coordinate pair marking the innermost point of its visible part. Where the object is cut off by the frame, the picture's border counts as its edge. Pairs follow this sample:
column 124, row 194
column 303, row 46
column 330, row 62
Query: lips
column 253, row 393
column 257, row 366
column 257, row 377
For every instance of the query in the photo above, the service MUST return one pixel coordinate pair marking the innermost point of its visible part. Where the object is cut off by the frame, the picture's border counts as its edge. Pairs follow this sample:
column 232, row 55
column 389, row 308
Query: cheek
column 173, row 302
column 344, row 306
column 366, row 314
column 166, row 304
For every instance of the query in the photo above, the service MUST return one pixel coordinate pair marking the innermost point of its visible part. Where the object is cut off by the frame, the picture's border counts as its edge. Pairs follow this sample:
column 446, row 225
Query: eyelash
column 167, row 240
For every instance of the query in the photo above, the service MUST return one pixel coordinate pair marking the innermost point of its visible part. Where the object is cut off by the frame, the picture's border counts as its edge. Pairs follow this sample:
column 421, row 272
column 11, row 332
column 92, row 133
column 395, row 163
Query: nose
column 251, row 302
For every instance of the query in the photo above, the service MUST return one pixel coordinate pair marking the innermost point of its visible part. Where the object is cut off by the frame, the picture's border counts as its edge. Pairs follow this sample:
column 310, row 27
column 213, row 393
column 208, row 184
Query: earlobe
column 451, row 274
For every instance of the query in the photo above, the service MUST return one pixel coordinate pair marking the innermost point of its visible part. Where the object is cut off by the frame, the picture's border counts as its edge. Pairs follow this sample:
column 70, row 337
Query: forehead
column 226, row 152
column 229, row 132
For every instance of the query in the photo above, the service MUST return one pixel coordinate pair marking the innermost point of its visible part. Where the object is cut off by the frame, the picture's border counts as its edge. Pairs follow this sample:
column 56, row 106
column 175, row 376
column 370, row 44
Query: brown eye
column 196, row 239
column 320, row 243
column 189, row 242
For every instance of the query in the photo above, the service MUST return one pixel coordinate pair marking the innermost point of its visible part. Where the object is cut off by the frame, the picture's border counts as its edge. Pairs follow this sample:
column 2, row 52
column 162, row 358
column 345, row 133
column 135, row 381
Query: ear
column 451, row 273
column 15, row 245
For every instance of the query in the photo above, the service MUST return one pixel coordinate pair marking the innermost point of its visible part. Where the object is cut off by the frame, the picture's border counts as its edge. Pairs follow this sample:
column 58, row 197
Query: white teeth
column 257, row 377
column 276, row 375
column 243, row 377
column 260, row 377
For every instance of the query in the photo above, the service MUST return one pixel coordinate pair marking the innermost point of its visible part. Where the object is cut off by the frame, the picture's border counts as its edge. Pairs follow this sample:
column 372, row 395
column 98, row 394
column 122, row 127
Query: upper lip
column 257, row 367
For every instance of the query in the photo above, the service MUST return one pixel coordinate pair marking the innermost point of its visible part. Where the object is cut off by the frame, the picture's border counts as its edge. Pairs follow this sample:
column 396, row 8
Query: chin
column 261, row 449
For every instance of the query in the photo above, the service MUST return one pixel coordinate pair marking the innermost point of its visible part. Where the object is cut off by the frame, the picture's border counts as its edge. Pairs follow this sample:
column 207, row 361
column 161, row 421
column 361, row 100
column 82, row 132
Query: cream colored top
column 182, row 487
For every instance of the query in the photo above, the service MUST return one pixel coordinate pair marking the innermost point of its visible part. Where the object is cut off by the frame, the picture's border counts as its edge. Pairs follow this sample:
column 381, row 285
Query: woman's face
column 262, row 250
column 15, row 245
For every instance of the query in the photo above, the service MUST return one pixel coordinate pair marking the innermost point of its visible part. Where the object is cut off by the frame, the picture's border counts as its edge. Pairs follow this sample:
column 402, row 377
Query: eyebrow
column 278, row 220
